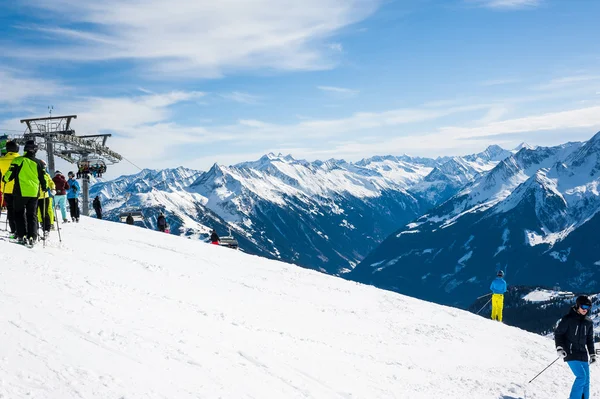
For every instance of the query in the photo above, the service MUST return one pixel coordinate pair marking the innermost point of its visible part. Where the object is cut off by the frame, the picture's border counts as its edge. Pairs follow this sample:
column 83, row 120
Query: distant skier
column 60, row 199
column 161, row 222
column 214, row 238
column 129, row 219
column 574, row 339
column 97, row 207
column 73, row 197
column 498, row 288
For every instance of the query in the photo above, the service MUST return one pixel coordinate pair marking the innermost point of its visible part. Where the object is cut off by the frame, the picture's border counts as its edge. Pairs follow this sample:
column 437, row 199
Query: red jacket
column 61, row 184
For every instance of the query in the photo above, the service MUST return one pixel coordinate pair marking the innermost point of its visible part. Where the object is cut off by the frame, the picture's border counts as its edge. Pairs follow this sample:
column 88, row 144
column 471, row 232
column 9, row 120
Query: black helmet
column 500, row 273
column 583, row 300
column 30, row 146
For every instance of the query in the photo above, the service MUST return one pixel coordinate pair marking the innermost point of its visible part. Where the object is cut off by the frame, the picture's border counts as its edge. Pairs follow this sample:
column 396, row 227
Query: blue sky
column 193, row 83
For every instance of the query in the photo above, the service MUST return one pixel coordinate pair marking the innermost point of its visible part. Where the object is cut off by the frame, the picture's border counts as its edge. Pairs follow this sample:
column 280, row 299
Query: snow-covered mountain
column 116, row 311
column 326, row 215
column 535, row 215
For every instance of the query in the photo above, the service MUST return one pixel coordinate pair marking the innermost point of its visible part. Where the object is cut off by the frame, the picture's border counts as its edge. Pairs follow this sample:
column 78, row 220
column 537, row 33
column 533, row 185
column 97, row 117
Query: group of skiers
column 30, row 194
column 573, row 336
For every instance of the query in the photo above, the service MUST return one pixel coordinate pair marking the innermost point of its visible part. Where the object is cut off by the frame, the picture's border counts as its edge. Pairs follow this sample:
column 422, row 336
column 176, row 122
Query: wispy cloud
column 195, row 38
column 241, row 97
column 567, row 81
column 339, row 91
column 498, row 82
column 16, row 87
column 507, row 4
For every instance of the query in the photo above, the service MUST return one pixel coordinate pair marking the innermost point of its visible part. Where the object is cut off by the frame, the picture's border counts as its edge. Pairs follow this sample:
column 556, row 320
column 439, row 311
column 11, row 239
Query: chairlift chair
column 137, row 216
column 229, row 241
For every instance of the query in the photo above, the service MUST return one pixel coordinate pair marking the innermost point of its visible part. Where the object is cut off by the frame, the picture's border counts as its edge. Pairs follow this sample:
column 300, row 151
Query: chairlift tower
column 56, row 135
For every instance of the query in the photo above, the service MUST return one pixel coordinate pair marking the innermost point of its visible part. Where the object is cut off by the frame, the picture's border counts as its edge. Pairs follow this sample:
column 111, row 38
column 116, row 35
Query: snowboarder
column 97, row 207
column 28, row 173
column 161, row 222
column 214, row 238
column 129, row 219
column 12, row 149
column 498, row 288
column 73, row 197
column 60, row 199
column 574, row 339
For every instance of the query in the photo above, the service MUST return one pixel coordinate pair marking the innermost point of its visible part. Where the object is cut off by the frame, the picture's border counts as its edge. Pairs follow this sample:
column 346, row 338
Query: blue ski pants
column 581, row 385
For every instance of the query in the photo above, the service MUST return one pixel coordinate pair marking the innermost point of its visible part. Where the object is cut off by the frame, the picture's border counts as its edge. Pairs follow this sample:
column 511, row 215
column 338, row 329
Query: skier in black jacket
column 161, row 222
column 574, row 338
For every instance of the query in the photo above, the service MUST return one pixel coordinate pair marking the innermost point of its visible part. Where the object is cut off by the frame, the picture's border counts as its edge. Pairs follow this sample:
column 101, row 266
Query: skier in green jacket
column 28, row 173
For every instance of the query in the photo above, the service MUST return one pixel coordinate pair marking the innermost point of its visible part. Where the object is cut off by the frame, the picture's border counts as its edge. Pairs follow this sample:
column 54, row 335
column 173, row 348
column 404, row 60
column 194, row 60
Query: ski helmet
column 583, row 300
column 500, row 273
column 30, row 146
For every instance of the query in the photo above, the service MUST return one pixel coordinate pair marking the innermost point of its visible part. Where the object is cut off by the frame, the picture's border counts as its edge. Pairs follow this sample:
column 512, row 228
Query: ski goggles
column 585, row 307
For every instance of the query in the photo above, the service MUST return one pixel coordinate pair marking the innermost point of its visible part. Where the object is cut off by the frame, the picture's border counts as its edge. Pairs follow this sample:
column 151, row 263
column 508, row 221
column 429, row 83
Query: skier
column 12, row 149
column 72, row 196
column 498, row 288
column 129, row 219
column 214, row 238
column 161, row 222
column 61, row 194
column 97, row 207
column 28, row 173
column 45, row 213
column 574, row 338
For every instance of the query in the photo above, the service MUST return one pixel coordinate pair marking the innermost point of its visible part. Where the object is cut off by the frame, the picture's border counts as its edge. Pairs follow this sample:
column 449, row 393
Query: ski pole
column 46, row 204
column 483, row 296
column 544, row 369
column 490, row 300
column 57, row 224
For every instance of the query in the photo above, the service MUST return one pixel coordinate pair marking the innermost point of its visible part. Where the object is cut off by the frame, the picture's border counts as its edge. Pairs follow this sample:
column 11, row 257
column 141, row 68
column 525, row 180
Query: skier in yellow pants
column 498, row 288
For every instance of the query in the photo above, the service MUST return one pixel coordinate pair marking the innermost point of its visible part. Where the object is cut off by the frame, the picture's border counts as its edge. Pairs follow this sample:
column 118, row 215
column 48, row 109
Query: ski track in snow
column 116, row 311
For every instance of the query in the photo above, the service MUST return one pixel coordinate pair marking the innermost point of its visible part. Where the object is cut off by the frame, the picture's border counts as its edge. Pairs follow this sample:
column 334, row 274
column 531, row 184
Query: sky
column 184, row 83
column 135, row 313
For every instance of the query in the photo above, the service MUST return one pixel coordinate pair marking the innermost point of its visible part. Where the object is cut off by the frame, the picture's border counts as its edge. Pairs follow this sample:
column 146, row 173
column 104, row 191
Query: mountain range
column 324, row 215
column 534, row 215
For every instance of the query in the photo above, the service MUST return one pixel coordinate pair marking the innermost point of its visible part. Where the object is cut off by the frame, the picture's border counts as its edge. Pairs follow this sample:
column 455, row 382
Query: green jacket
column 5, row 163
column 28, row 173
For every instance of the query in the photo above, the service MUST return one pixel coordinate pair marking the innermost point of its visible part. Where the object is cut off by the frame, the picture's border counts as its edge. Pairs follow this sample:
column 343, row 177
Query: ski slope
column 117, row 311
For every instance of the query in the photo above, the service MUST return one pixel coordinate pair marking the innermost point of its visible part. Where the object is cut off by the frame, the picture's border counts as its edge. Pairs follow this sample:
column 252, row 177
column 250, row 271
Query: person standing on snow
column 60, row 199
column 73, row 197
column 97, row 207
column 45, row 212
column 12, row 151
column 498, row 288
column 161, row 222
column 214, row 238
column 28, row 173
column 129, row 219
column 574, row 339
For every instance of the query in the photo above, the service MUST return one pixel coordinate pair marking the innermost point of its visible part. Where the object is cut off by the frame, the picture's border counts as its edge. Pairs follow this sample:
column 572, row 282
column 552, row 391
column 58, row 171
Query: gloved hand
column 561, row 352
column 593, row 359
column 53, row 192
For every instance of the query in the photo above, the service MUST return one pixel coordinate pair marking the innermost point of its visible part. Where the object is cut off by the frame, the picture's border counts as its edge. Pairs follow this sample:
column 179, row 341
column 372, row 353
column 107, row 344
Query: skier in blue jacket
column 498, row 288
column 73, row 197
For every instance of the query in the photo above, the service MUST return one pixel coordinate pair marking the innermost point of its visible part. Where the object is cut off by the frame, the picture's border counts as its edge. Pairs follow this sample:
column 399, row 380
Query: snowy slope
column 117, row 311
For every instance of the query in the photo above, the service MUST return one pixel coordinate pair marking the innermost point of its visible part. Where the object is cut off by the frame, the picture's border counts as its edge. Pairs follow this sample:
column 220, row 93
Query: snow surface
column 117, row 311
column 541, row 295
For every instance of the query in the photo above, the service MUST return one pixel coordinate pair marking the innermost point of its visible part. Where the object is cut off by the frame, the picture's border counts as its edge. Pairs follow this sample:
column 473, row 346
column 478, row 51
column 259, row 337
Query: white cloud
column 339, row 92
column 16, row 88
column 498, row 82
column 576, row 118
column 241, row 97
column 567, row 81
column 508, row 4
column 197, row 38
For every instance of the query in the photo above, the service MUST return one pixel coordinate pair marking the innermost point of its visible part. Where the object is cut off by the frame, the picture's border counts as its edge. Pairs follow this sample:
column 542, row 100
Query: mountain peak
column 523, row 145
